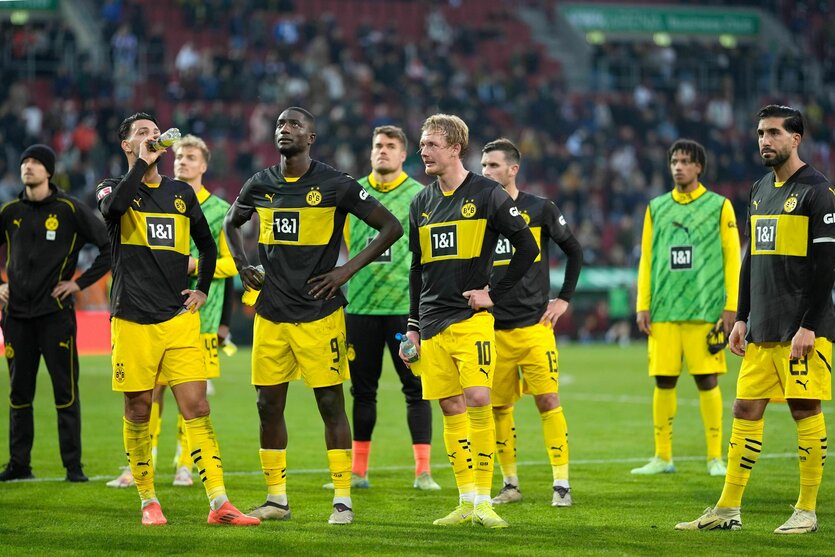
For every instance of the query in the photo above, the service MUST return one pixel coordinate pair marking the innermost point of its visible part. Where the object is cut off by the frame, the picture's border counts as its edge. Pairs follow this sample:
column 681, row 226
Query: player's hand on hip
column 479, row 299
column 728, row 320
column 64, row 288
column 194, row 300
column 736, row 342
column 642, row 319
column 4, row 293
column 251, row 277
column 803, row 342
column 556, row 308
column 414, row 336
column 327, row 285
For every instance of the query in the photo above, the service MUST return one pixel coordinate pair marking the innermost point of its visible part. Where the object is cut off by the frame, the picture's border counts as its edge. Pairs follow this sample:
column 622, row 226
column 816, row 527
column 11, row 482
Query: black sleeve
column 823, row 258
column 93, row 231
column 114, row 200
column 574, row 263
column 526, row 251
column 743, row 304
column 415, row 286
column 228, row 299
column 355, row 199
column 205, row 242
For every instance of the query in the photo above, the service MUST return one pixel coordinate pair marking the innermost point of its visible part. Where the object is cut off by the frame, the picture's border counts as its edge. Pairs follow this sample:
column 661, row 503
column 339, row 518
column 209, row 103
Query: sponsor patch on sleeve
column 104, row 192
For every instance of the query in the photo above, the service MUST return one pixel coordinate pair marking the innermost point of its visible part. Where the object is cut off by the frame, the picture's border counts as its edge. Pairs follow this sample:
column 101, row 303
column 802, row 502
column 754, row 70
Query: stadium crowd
column 600, row 153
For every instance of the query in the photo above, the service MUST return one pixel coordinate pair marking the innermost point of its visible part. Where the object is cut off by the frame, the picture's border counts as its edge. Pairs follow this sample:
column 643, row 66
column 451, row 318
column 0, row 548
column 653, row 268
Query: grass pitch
column 607, row 398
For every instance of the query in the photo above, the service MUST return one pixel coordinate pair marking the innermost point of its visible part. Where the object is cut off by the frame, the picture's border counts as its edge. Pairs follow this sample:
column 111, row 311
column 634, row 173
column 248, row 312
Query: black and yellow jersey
column 149, row 227
column 528, row 300
column 43, row 239
column 300, row 235
column 454, row 236
column 785, row 223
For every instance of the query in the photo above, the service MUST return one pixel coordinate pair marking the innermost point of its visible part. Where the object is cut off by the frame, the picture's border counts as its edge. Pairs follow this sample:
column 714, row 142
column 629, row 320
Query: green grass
column 607, row 397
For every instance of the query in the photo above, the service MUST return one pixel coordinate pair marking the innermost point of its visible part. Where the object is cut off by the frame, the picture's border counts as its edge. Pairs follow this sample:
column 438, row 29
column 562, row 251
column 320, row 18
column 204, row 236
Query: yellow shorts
column 209, row 343
column 767, row 372
column 169, row 351
column 670, row 344
column 315, row 351
column 461, row 356
column 532, row 351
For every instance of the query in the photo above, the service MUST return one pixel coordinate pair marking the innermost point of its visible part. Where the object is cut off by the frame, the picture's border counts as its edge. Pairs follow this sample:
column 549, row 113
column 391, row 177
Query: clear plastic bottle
column 251, row 296
column 166, row 140
column 408, row 348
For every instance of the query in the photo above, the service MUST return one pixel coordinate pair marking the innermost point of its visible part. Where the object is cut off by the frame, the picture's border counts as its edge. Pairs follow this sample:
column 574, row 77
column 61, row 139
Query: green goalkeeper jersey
column 382, row 287
column 214, row 209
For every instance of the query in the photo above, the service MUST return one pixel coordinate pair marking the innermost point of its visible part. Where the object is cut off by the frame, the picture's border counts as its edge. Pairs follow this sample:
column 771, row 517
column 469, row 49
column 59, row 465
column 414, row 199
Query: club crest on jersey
column 352, row 354
column 180, row 205
column 314, row 197
column 790, row 204
column 51, row 226
column 9, row 351
column 468, row 210
column 51, row 222
column 526, row 217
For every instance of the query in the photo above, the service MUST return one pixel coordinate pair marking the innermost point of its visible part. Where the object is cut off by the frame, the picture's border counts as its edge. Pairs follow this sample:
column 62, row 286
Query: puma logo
column 558, row 448
column 269, row 196
column 833, row 191
column 682, row 227
column 502, row 443
column 802, row 384
column 425, row 215
column 486, row 455
column 334, row 369
column 146, row 463
column 451, row 455
column 64, row 345
column 484, row 371
column 732, row 444
column 17, row 222
column 138, row 201
column 807, row 451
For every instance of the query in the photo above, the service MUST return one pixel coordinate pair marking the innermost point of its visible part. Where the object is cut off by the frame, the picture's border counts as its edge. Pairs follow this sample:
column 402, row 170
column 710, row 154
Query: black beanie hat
column 41, row 153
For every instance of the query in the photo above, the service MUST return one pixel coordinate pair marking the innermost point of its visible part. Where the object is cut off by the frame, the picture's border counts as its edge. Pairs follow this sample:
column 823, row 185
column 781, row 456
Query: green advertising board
column 661, row 19
column 29, row 5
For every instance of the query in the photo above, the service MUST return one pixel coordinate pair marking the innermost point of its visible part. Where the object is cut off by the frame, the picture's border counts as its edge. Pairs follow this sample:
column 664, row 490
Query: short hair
column 792, row 118
column 450, row 125
column 124, row 127
column 311, row 119
column 195, row 142
column 506, row 146
column 689, row 147
column 392, row 132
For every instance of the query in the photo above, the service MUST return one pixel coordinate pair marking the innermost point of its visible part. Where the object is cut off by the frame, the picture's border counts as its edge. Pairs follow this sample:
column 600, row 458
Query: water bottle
column 408, row 348
column 229, row 348
column 251, row 296
column 165, row 140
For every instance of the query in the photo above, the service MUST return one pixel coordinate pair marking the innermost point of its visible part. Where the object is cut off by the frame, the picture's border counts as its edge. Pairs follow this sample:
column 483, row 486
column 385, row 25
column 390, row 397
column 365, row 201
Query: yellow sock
column 155, row 426
column 505, row 440
column 137, row 439
column 274, row 465
column 811, row 448
column 663, row 412
column 206, row 455
column 710, row 403
column 743, row 450
column 482, row 447
column 555, row 430
column 458, row 452
column 182, row 439
column 339, row 462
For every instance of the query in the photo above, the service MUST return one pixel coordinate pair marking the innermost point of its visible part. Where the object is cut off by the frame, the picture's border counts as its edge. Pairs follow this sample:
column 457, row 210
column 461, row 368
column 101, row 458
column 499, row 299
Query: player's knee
column 751, row 410
column 547, row 402
column 803, row 408
column 706, row 382
column 665, row 382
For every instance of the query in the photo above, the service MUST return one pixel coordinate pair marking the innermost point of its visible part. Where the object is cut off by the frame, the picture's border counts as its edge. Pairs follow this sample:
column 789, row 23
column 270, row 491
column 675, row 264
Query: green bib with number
column 688, row 278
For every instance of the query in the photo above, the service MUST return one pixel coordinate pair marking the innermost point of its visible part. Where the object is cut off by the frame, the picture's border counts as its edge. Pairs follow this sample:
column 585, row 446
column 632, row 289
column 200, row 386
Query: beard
column 776, row 160
column 289, row 150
